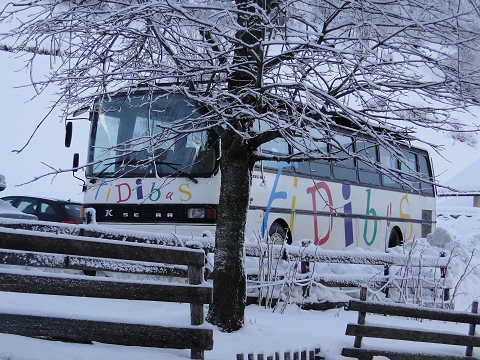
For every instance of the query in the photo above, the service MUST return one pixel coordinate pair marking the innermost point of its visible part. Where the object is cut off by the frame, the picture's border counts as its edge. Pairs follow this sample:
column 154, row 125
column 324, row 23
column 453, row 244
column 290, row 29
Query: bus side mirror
column 68, row 134
column 76, row 161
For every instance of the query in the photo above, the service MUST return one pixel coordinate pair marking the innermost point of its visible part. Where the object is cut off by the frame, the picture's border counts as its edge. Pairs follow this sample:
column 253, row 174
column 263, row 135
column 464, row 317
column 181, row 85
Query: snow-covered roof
column 465, row 183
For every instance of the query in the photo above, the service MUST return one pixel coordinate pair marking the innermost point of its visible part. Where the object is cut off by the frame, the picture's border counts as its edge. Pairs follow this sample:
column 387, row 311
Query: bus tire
column 277, row 234
column 395, row 238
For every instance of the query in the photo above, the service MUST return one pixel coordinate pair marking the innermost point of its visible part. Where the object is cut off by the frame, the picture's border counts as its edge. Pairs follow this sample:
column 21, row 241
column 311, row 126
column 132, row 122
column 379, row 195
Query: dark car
column 47, row 209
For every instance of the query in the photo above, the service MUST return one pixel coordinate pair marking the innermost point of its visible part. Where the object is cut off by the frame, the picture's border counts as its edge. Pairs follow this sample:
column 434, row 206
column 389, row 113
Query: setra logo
column 110, row 214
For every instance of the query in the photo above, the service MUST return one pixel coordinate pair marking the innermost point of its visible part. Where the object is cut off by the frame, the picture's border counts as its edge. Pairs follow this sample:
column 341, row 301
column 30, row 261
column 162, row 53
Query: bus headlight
column 201, row 213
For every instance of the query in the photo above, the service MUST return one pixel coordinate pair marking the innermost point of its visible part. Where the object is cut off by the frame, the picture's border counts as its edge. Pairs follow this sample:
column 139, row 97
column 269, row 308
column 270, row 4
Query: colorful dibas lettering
column 125, row 192
column 405, row 215
column 155, row 193
column 274, row 194
column 369, row 212
column 313, row 190
column 139, row 189
column 347, row 212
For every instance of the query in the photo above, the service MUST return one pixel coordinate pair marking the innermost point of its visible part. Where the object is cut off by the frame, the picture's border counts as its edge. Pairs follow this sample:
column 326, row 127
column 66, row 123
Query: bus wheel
column 395, row 238
column 277, row 234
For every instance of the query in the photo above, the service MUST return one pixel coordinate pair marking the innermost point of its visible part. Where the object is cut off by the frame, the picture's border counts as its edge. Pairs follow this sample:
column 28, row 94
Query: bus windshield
column 148, row 135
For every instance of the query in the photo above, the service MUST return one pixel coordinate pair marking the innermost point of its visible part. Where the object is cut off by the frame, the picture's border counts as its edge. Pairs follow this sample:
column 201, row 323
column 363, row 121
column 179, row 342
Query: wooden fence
column 369, row 329
column 32, row 248
column 306, row 256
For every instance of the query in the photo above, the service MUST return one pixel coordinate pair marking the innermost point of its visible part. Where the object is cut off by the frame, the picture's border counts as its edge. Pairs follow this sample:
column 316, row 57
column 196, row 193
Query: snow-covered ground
column 265, row 331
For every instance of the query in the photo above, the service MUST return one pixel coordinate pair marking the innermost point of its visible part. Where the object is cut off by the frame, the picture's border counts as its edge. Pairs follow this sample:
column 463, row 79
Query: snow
column 265, row 330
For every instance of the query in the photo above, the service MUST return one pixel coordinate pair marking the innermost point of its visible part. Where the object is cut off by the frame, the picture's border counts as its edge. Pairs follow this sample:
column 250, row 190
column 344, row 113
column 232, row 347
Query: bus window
column 366, row 173
column 317, row 147
column 105, row 140
column 136, row 136
column 424, row 169
column 344, row 168
column 388, row 161
column 275, row 147
column 410, row 167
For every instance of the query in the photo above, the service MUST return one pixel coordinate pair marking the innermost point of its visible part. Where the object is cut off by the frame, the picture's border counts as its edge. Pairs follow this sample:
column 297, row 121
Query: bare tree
column 258, row 70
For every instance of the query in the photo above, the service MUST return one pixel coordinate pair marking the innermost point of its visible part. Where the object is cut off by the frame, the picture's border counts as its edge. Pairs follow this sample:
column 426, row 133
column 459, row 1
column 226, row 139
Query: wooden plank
column 173, row 240
column 127, row 266
column 86, row 331
column 29, row 258
column 368, row 354
column 76, row 285
column 414, row 312
column 43, row 226
column 387, row 332
column 346, row 257
column 75, row 245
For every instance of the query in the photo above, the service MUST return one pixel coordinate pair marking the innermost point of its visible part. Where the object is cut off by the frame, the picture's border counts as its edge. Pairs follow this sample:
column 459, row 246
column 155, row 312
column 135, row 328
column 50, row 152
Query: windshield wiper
column 132, row 162
column 100, row 173
column 179, row 171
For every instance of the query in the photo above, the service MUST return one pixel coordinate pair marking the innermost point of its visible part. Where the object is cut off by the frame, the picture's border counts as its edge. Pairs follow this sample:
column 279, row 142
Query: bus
column 338, row 205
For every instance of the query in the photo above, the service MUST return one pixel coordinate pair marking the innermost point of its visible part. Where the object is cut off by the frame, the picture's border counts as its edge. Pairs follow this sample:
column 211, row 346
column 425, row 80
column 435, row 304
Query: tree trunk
column 229, row 291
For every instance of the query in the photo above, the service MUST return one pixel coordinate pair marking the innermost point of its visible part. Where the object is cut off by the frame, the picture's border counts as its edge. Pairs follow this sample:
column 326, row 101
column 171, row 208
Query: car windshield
column 134, row 135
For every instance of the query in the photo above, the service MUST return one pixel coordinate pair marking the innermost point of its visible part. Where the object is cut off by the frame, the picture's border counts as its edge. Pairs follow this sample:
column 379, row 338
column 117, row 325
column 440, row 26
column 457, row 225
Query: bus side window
column 106, row 136
column 389, row 162
column 344, row 168
column 366, row 172
column 317, row 148
column 275, row 147
column 409, row 167
column 424, row 169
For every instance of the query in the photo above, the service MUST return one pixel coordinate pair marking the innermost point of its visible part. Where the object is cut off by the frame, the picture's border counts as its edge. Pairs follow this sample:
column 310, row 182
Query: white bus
column 339, row 205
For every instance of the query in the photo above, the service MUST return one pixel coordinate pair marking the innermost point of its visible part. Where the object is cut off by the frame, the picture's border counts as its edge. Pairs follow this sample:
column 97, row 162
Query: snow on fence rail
column 401, row 276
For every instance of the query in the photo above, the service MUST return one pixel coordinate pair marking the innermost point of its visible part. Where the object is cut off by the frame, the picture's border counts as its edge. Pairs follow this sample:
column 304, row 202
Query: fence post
column 90, row 216
column 361, row 317
column 443, row 275
column 303, row 355
column 386, row 272
column 195, row 277
column 471, row 330
column 305, row 269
